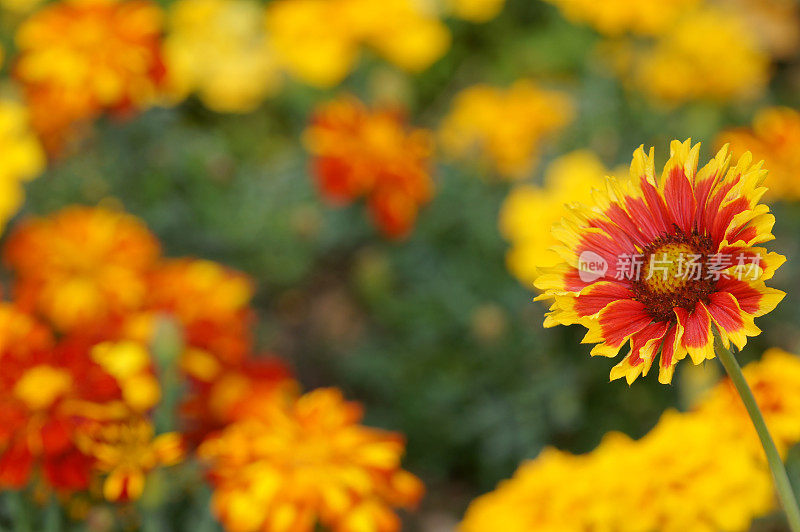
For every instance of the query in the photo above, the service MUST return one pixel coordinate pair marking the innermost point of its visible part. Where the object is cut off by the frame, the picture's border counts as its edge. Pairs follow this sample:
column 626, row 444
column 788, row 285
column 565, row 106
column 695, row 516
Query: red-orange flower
column 88, row 56
column 81, row 266
column 358, row 152
column 658, row 263
column 290, row 462
column 40, row 393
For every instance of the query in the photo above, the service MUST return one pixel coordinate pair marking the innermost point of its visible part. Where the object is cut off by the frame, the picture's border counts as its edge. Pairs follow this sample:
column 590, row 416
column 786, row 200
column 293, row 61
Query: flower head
column 372, row 153
column 773, row 137
column 90, row 56
column 81, row 266
column 219, row 49
column 657, row 263
column 504, row 127
column 288, row 464
column 709, row 40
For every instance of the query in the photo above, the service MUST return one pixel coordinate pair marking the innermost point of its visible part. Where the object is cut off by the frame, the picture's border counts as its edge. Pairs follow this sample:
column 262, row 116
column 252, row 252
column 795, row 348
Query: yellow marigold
column 89, row 55
column 22, row 156
column 318, row 41
column 616, row 17
column 530, row 211
column 711, row 471
column 654, row 263
column 774, row 137
column 288, row 463
column 676, row 68
column 125, row 450
column 81, row 266
column 219, row 49
column 504, row 127
column 475, row 10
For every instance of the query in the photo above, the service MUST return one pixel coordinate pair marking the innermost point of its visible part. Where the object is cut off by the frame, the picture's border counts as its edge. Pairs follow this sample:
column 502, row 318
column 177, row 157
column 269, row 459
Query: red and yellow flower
column 81, row 266
column 696, row 236
column 88, row 56
column 361, row 152
column 289, row 463
column 40, row 393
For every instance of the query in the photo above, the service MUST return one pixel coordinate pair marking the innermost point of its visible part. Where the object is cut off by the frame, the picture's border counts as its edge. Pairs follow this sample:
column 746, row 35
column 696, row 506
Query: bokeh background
column 433, row 332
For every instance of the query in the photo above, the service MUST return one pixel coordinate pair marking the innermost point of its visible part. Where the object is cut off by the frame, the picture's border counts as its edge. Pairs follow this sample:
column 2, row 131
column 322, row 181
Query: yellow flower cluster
column 219, row 48
column 676, row 68
column 530, row 211
column 616, row 17
column 319, row 41
column 21, row 155
column 774, row 137
column 506, row 127
column 703, row 470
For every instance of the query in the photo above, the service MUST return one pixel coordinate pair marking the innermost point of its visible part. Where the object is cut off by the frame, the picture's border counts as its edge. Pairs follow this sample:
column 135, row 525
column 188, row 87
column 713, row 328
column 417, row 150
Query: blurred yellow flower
column 530, row 211
column 504, row 127
column 678, row 67
column 288, row 463
column 318, row 41
column 81, row 266
column 475, row 10
column 125, row 450
column 774, row 137
column 21, row 154
column 701, row 470
column 219, row 49
column 616, row 17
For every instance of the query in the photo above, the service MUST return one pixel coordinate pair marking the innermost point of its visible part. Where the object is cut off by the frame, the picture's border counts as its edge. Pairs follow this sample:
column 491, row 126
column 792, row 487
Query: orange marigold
column 288, row 463
column 81, row 266
column 371, row 153
column 221, row 325
column 89, row 56
column 654, row 263
column 774, row 137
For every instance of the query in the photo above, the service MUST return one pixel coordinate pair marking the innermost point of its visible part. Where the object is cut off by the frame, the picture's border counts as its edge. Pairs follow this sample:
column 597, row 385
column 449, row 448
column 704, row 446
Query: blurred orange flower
column 288, row 463
column 774, row 138
column 81, row 266
column 221, row 324
column 373, row 153
column 88, row 56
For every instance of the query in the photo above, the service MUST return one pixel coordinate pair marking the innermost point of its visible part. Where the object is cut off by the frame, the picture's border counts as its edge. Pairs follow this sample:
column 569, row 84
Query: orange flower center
column 667, row 269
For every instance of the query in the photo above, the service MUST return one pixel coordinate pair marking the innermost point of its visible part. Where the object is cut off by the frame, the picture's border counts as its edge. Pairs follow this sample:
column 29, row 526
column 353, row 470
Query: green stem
column 782, row 484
